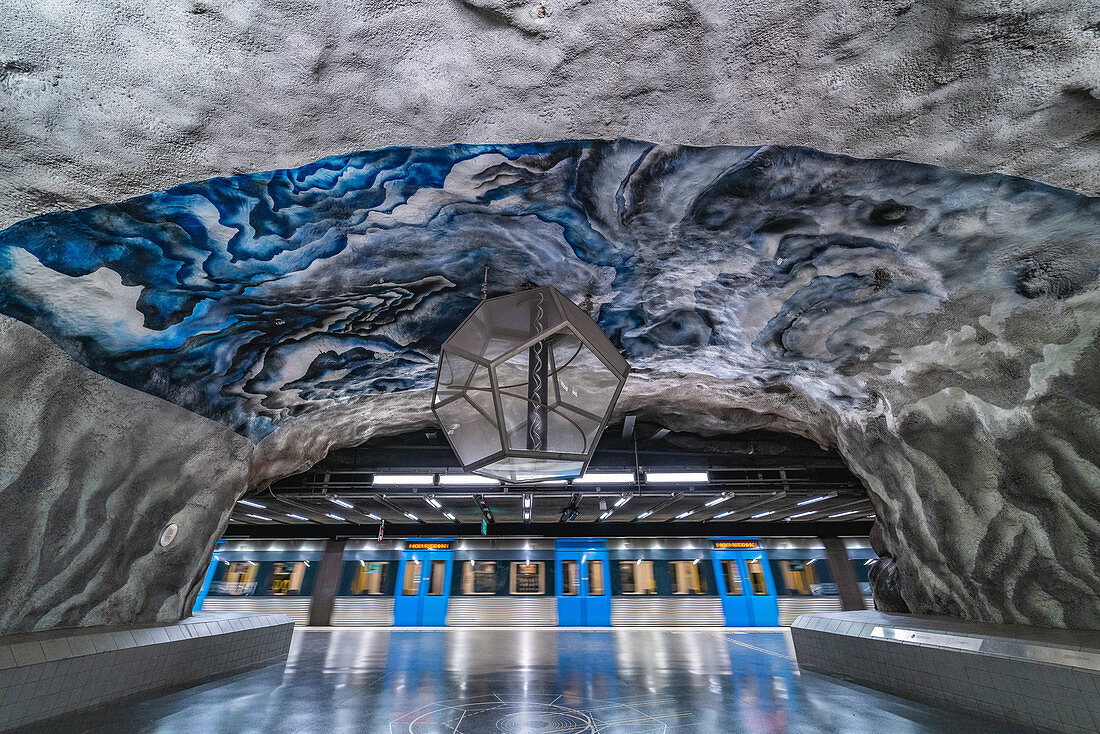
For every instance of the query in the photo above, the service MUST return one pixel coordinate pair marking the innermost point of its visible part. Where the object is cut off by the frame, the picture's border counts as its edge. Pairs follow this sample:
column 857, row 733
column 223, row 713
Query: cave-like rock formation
column 104, row 100
column 938, row 328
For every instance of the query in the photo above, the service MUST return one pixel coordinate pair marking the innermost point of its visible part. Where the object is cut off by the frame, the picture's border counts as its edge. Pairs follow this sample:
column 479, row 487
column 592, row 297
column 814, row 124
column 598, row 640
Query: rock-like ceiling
column 939, row 329
column 256, row 298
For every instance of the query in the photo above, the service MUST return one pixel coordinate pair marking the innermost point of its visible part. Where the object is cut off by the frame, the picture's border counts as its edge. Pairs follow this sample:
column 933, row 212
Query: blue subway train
column 577, row 582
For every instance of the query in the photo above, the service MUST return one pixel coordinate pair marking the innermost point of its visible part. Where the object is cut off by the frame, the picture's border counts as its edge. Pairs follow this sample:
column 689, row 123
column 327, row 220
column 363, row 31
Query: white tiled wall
column 47, row 674
column 1048, row 679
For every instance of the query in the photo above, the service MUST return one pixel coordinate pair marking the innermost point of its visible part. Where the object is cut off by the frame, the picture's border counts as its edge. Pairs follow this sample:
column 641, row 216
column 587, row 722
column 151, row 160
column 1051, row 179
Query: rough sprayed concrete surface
column 103, row 100
column 90, row 474
column 939, row 329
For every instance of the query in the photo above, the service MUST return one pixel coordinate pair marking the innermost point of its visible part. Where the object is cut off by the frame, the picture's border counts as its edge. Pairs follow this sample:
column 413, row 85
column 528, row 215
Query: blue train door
column 745, row 582
column 582, row 583
column 423, row 584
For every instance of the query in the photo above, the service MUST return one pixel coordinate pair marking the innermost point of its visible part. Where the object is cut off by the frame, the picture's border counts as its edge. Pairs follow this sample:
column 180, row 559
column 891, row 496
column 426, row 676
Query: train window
column 800, row 577
column 527, row 578
column 686, row 578
column 435, row 580
column 411, row 584
column 287, row 578
column 239, row 579
column 595, row 578
column 369, row 577
column 756, row 577
column 479, row 577
column 570, row 579
column 732, row 576
column 637, row 577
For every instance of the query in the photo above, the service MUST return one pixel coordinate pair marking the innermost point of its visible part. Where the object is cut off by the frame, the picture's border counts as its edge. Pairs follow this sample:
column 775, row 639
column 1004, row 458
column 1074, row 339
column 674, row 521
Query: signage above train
column 735, row 544
column 428, row 545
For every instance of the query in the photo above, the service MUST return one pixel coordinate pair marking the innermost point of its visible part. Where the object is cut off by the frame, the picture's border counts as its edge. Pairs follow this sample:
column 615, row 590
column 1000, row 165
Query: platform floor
column 529, row 681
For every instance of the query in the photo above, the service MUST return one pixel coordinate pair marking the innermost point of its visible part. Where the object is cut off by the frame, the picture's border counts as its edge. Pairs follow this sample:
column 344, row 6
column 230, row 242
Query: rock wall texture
column 940, row 329
column 102, row 100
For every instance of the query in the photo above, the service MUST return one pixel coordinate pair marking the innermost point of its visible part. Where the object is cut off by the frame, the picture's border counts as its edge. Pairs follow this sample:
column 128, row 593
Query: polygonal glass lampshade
column 526, row 386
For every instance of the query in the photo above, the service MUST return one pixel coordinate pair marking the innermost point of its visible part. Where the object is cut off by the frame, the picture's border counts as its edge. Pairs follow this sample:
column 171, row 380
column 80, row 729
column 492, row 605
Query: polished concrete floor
column 529, row 681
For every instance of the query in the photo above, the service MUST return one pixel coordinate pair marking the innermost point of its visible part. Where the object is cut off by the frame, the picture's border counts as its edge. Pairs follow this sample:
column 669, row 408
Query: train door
column 581, row 582
column 745, row 582
column 423, row 584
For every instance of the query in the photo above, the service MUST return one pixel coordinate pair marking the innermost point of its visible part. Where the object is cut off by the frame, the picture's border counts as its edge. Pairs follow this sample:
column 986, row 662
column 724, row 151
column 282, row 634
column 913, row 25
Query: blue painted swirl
column 252, row 299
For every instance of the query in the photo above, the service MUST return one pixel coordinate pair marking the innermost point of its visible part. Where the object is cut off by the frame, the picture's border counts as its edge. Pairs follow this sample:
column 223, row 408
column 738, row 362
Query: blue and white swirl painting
column 252, row 299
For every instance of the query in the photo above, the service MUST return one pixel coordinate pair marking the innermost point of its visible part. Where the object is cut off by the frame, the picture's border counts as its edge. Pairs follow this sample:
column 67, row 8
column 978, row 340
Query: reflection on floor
column 528, row 681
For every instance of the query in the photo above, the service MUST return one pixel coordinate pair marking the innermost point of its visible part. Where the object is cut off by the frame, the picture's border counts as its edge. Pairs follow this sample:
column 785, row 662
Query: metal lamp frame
column 619, row 368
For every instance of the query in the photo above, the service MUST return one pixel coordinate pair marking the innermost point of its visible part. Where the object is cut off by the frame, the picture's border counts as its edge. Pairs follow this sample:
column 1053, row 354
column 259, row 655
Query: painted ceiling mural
column 253, row 299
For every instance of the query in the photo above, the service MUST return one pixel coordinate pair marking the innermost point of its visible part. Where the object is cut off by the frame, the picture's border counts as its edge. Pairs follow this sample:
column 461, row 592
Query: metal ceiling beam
column 555, row 530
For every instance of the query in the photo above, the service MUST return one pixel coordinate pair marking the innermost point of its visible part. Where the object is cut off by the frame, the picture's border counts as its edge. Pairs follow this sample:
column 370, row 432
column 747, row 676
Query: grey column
column 327, row 584
column 840, row 566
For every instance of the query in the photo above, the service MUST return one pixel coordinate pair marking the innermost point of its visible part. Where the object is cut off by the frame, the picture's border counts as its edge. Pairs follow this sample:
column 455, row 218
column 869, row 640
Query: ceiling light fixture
column 622, row 500
column 762, row 514
column 842, row 514
column 348, row 505
column 816, row 499
column 433, row 502
column 645, row 514
column 525, row 387
column 297, row 517
column 677, row 477
column 250, row 503
column 259, row 517
column 605, row 515
column 335, row 517
column 724, row 514
column 802, row 514
column 716, row 501
column 402, row 480
column 604, row 478
column 682, row 515
column 412, row 516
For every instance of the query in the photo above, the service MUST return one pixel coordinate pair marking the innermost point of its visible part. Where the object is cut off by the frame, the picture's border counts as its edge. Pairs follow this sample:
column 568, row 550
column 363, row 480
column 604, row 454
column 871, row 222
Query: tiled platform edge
column 1048, row 679
column 46, row 674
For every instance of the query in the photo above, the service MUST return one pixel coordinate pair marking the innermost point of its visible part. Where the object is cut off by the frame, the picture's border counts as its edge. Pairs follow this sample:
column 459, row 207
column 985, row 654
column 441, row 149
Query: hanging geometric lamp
column 526, row 386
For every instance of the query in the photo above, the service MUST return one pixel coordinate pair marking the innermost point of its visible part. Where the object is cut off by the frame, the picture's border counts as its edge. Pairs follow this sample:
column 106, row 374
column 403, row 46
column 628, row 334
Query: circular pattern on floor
column 529, row 715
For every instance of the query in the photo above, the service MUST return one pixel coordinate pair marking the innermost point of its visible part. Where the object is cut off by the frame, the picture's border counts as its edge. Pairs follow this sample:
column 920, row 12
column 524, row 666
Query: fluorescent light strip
column 716, row 501
column 622, row 501
column 842, row 514
column 448, row 480
column 335, row 517
column 433, row 502
column 677, row 477
column 724, row 514
column 802, row 514
column 605, row 515
column 297, row 517
column 401, row 480
column 814, row 499
column 259, row 517
column 348, row 505
column 604, row 478
column 252, row 504
column 372, row 515
column 682, row 515
column 645, row 514
column 762, row 514
column 526, row 500
column 411, row 516
column 449, row 516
